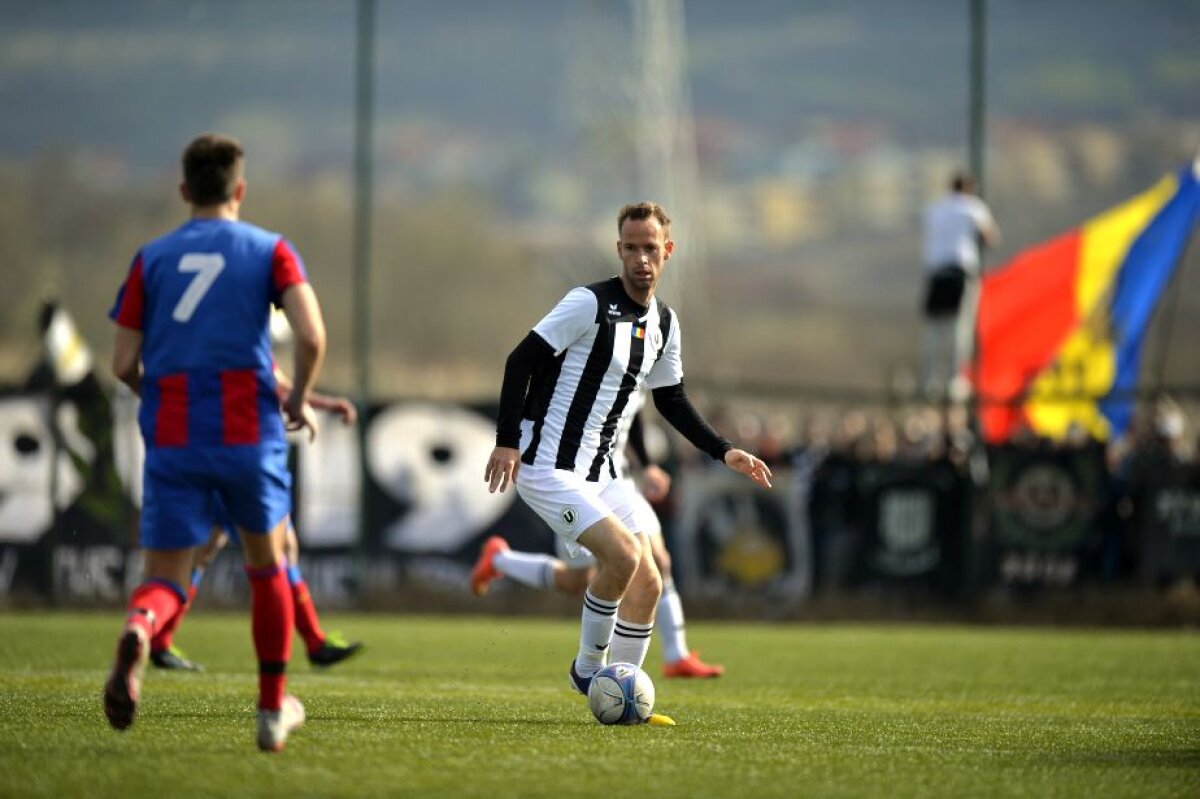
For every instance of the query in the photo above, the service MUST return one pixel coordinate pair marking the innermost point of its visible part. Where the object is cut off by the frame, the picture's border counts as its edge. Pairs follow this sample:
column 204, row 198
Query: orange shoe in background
column 484, row 571
column 692, row 666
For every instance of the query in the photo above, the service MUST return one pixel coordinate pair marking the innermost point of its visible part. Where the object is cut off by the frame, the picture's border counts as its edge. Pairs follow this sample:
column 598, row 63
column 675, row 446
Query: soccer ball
column 621, row 693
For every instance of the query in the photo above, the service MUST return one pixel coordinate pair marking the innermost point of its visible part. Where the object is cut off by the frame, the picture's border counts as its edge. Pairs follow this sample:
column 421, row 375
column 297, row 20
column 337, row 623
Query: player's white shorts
column 570, row 504
column 647, row 523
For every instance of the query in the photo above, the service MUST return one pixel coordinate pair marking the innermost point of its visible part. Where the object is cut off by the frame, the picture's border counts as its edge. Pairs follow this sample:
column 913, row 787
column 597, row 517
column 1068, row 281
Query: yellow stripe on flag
column 1064, row 393
column 1106, row 240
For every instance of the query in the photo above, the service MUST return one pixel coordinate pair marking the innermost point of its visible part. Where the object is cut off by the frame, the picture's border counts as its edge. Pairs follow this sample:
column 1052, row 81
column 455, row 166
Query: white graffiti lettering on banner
column 329, row 479
column 427, row 457
column 1038, row 567
column 1178, row 510
column 27, row 458
column 101, row 572
column 906, row 527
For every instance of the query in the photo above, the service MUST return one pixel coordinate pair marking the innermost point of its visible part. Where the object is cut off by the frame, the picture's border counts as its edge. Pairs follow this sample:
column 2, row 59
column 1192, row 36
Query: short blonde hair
column 645, row 210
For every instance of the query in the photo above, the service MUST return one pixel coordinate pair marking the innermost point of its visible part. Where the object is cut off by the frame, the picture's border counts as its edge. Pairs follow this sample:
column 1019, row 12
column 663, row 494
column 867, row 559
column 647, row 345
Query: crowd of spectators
column 834, row 447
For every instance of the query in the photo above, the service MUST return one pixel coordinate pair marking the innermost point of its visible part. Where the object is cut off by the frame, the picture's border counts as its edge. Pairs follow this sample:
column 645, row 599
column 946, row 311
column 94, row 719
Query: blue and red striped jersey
column 202, row 297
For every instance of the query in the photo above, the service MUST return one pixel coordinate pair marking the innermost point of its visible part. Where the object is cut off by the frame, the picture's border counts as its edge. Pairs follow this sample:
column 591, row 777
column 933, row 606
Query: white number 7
column 206, row 266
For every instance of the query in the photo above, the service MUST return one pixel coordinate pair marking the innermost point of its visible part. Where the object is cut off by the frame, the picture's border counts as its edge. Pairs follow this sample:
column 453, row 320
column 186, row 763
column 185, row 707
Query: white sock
column 631, row 641
column 530, row 569
column 599, row 617
column 670, row 622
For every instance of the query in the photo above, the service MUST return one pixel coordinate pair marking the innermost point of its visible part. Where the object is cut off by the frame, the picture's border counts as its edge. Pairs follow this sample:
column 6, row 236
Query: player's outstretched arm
column 341, row 406
column 673, row 403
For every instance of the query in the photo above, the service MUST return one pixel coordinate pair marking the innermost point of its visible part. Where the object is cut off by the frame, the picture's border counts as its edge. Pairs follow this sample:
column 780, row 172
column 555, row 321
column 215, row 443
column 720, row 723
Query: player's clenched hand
column 502, row 468
column 300, row 416
column 745, row 463
column 655, row 483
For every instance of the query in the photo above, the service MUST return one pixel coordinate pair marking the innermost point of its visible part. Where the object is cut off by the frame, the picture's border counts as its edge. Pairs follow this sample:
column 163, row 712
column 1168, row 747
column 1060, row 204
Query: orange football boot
column 692, row 666
column 484, row 571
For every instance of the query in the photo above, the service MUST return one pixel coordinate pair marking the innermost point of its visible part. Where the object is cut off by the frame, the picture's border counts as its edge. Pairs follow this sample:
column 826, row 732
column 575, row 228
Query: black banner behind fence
column 912, row 521
column 1169, row 523
column 1044, row 507
column 70, row 488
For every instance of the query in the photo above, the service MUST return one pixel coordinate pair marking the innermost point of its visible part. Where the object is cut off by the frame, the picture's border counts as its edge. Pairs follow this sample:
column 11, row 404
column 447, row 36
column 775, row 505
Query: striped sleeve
column 286, row 269
column 130, row 306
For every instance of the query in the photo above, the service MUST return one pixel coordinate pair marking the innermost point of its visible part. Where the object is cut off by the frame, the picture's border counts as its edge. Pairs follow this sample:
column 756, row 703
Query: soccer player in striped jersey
column 566, row 387
column 192, row 341
column 570, row 574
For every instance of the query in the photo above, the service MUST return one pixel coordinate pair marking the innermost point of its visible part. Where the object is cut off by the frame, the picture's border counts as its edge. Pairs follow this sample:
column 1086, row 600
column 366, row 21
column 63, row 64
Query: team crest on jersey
column 570, row 516
column 656, row 338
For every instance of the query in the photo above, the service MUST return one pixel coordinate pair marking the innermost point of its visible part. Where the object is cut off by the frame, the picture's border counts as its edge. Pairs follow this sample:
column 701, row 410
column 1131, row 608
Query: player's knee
column 572, row 581
column 624, row 557
column 652, row 585
column 645, row 589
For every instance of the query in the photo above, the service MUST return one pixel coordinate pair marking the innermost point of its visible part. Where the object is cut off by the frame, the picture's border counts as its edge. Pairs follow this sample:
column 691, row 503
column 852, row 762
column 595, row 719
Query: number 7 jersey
column 202, row 297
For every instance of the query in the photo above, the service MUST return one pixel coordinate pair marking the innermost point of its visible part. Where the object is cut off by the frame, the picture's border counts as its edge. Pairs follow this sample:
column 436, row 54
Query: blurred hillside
column 505, row 142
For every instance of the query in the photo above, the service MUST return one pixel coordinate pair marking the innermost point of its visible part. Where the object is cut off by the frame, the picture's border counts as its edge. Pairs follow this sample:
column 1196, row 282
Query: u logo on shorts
column 569, row 516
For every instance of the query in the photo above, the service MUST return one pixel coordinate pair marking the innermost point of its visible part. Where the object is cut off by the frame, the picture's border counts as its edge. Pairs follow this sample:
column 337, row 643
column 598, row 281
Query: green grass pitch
column 479, row 707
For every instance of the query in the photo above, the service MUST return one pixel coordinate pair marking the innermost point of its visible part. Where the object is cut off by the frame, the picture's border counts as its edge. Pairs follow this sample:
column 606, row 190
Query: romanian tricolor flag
column 1060, row 327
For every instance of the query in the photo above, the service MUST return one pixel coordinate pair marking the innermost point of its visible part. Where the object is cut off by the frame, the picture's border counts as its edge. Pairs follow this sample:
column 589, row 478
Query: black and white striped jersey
column 606, row 347
column 619, row 460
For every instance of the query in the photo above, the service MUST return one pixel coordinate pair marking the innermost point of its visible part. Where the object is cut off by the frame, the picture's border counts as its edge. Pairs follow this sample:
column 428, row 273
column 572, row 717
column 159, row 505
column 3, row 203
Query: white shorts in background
column 581, row 558
column 570, row 504
column 647, row 519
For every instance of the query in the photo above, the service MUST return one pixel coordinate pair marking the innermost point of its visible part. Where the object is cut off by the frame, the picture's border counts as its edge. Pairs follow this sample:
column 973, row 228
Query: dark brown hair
column 212, row 167
column 645, row 210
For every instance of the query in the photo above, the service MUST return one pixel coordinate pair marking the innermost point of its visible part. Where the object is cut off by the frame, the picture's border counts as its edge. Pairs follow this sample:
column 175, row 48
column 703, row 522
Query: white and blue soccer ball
column 621, row 693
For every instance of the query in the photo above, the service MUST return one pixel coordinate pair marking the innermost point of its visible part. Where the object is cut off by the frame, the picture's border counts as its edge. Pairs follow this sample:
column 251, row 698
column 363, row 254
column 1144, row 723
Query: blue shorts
column 223, row 519
column 186, row 492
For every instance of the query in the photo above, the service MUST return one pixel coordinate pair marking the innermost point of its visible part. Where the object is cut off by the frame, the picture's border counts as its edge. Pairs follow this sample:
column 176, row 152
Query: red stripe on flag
column 239, row 407
column 171, row 420
column 1026, row 311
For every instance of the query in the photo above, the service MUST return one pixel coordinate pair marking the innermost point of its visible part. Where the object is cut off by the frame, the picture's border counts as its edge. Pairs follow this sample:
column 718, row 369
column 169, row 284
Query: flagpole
column 977, row 93
column 364, row 129
column 976, row 130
